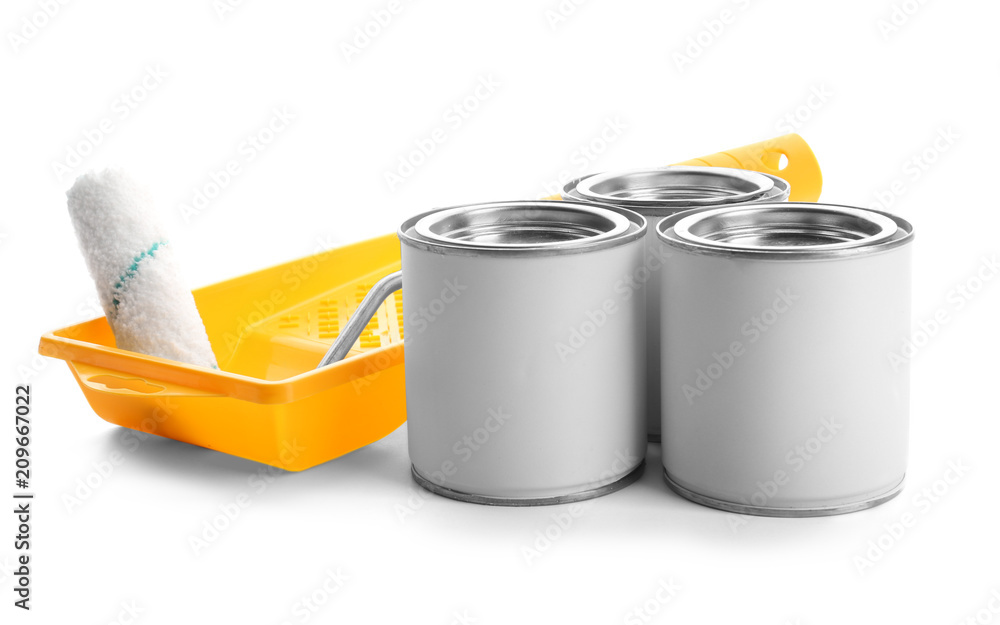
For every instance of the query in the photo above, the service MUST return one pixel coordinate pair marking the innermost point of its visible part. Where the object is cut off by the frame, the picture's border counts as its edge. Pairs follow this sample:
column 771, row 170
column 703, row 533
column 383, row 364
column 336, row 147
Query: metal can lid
column 779, row 193
column 792, row 230
column 517, row 228
column 674, row 186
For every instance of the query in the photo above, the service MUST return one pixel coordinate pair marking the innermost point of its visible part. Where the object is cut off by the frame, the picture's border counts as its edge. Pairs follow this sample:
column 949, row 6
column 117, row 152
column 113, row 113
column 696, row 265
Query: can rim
column 779, row 192
column 797, row 230
column 489, row 225
column 788, row 512
column 675, row 186
column 489, row 500
column 621, row 226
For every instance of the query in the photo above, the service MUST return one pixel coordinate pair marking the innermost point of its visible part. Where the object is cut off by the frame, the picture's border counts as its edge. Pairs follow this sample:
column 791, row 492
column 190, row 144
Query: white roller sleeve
column 148, row 305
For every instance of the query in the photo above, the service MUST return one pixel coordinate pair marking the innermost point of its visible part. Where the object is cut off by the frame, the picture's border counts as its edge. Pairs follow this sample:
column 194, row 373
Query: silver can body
column 524, row 354
column 780, row 393
column 658, row 193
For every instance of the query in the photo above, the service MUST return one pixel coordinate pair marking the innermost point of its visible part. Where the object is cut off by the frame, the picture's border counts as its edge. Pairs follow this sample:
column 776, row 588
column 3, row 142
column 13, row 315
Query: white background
column 888, row 94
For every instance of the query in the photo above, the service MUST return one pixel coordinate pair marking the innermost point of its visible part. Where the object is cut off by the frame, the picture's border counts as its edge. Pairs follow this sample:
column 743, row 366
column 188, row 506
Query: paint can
column 660, row 192
column 524, row 351
column 779, row 323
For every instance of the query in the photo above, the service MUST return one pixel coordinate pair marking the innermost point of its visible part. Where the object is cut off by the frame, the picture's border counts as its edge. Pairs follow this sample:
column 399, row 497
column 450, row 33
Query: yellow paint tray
column 269, row 330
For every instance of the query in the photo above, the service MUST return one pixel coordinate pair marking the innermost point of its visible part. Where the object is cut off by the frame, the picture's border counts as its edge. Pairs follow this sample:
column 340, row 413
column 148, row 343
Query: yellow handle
column 801, row 171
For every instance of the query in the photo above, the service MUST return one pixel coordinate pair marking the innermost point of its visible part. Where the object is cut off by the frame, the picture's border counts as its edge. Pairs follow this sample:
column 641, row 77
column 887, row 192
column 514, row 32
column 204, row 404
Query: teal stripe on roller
column 133, row 269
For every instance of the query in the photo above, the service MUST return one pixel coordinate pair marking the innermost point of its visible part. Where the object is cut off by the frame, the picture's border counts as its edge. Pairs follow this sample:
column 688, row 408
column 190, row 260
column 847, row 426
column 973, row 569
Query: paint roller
column 138, row 279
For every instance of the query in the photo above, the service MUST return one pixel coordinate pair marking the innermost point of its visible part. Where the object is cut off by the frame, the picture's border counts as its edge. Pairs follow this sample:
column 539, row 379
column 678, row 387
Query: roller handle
column 362, row 315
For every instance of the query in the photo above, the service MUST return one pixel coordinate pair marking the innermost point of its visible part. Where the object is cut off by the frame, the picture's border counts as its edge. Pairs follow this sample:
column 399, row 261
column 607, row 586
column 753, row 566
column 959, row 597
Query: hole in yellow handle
column 133, row 384
column 774, row 159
